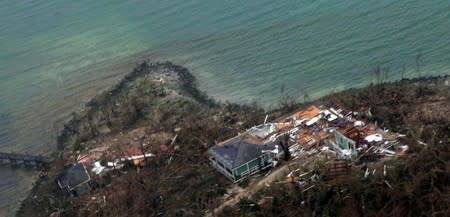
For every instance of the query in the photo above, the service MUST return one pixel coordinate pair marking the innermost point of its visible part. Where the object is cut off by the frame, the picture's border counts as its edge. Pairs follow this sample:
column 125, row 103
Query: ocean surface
column 55, row 55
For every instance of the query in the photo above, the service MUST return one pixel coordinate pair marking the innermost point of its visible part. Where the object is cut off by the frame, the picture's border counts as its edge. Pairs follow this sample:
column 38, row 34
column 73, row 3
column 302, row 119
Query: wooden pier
column 23, row 160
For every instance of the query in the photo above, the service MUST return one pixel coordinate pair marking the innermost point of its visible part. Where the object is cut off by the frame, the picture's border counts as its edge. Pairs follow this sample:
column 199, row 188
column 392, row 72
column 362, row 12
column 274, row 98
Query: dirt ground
column 256, row 184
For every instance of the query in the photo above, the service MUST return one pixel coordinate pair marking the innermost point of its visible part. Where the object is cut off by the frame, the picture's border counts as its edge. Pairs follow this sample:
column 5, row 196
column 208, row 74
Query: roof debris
column 346, row 138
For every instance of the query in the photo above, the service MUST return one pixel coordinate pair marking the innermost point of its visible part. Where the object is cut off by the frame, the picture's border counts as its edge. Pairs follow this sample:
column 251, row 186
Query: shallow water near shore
column 54, row 56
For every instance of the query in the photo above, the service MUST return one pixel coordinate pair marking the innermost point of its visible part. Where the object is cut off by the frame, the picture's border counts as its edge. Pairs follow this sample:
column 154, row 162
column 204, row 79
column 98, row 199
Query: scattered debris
column 101, row 168
column 387, row 183
column 85, row 159
column 337, row 169
column 312, row 186
column 303, row 134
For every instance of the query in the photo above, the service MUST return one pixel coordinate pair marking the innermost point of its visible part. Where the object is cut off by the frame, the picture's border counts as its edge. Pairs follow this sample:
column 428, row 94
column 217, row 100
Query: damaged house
column 74, row 180
column 336, row 133
column 246, row 154
column 347, row 140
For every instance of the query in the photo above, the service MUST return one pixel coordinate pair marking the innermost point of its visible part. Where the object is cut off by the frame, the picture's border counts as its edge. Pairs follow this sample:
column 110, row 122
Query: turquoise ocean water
column 55, row 55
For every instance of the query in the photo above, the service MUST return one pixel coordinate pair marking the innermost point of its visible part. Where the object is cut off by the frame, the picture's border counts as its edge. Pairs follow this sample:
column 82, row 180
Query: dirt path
column 255, row 185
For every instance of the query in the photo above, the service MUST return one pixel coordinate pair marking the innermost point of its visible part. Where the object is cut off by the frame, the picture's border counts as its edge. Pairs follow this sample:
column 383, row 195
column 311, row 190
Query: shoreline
column 64, row 138
column 71, row 135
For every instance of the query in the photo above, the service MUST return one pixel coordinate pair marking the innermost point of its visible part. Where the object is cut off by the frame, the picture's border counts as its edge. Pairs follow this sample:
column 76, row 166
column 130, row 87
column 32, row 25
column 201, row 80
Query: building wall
column 344, row 142
column 252, row 166
column 238, row 173
column 221, row 167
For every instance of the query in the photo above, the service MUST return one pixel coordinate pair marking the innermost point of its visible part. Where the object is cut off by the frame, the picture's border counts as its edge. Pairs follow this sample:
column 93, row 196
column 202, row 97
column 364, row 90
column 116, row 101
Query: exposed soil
column 146, row 111
column 157, row 101
column 419, row 182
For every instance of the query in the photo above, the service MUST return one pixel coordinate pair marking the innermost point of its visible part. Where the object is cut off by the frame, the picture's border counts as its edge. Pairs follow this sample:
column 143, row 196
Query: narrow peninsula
column 144, row 148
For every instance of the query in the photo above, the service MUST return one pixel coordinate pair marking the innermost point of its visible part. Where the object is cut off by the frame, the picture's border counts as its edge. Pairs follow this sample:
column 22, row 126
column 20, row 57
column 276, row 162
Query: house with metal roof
column 74, row 180
column 247, row 153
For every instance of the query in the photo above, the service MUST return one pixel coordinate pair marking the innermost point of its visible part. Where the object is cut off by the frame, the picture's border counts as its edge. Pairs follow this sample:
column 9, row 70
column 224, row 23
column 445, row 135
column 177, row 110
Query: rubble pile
column 336, row 133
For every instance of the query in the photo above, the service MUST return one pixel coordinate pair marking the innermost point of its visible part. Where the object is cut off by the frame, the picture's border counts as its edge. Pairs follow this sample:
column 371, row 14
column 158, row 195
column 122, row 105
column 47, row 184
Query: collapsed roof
column 308, row 113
